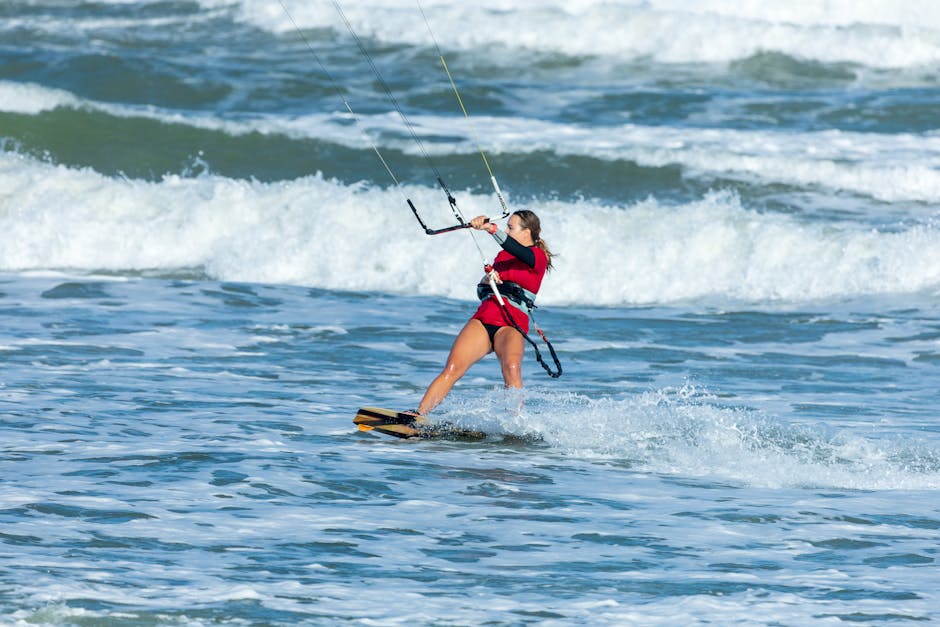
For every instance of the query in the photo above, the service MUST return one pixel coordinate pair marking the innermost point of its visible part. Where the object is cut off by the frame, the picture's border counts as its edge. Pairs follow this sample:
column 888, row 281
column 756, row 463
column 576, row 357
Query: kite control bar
column 461, row 223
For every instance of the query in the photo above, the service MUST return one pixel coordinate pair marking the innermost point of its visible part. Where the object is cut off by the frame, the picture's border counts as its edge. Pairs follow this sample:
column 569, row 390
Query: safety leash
column 538, row 354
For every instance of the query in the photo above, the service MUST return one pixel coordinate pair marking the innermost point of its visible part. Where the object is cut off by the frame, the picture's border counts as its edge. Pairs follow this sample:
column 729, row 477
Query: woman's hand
column 485, row 279
column 480, row 223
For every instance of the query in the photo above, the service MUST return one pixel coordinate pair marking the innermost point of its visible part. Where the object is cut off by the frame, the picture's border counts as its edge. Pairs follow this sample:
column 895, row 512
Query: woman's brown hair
column 531, row 221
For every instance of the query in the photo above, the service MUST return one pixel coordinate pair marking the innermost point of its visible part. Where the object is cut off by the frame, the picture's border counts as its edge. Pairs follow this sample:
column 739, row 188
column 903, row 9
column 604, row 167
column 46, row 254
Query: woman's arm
column 511, row 246
column 523, row 253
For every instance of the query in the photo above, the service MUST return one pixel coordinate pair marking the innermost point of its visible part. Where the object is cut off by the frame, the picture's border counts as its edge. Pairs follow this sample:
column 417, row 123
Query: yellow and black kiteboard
column 409, row 425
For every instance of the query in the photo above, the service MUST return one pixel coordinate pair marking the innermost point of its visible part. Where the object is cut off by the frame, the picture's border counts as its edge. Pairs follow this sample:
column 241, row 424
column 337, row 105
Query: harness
column 523, row 300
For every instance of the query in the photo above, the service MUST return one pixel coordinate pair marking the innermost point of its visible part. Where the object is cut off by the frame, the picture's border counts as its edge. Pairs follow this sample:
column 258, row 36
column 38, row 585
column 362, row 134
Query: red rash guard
column 512, row 268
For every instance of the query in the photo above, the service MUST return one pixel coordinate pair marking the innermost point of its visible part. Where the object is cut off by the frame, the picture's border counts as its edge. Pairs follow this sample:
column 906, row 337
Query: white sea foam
column 885, row 167
column 32, row 99
column 90, row 22
column 872, row 33
column 876, row 33
column 681, row 432
column 322, row 233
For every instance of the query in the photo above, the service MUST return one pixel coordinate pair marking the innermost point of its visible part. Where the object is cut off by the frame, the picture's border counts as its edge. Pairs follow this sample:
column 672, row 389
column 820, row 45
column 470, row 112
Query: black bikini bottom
column 491, row 330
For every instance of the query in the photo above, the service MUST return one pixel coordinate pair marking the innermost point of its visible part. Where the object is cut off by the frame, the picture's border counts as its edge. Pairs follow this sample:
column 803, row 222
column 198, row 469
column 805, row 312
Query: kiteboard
column 410, row 425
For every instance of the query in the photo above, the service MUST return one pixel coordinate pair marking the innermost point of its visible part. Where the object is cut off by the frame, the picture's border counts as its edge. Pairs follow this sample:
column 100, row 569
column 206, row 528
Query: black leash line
column 461, row 223
column 466, row 115
column 508, row 317
column 339, row 91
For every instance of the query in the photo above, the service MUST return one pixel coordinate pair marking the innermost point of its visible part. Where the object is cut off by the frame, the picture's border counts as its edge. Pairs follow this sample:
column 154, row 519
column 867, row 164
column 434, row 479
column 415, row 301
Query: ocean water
column 205, row 270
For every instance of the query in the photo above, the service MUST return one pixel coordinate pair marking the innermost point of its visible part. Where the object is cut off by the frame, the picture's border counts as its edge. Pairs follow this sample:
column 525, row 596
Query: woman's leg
column 471, row 345
column 510, row 348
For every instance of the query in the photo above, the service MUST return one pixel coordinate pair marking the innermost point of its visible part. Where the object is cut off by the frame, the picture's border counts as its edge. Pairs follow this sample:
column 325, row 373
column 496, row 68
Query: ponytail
column 548, row 254
column 531, row 221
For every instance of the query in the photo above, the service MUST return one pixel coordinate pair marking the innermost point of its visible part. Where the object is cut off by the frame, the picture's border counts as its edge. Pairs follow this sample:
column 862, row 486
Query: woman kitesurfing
column 517, row 273
column 508, row 288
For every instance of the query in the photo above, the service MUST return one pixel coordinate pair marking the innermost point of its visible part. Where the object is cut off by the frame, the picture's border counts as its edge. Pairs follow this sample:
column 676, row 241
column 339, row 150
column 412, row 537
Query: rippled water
column 182, row 451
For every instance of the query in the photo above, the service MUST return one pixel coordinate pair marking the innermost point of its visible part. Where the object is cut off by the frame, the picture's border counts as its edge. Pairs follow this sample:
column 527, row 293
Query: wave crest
column 323, row 233
column 877, row 34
